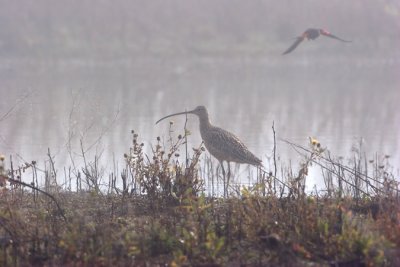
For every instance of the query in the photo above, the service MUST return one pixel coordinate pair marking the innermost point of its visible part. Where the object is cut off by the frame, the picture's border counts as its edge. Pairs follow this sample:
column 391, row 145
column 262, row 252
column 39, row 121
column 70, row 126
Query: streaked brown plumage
column 312, row 34
column 222, row 144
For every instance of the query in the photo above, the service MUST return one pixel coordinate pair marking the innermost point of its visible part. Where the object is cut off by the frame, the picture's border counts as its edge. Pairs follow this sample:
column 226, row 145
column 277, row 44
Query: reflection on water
column 66, row 102
column 93, row 71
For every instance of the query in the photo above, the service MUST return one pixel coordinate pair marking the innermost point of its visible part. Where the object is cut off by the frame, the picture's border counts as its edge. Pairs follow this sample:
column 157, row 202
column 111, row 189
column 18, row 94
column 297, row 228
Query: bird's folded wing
column 229, row 147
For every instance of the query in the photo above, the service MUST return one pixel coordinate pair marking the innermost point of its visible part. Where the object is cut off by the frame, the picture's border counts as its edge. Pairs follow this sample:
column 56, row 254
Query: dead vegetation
column 156, row 212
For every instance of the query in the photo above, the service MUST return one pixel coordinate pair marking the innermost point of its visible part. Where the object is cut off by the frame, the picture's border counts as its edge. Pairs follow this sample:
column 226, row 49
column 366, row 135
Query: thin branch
column 186, row 143
column 11, row 109
column 105, row 130
column 61, row 211
column 275, row 169
column 355, row 172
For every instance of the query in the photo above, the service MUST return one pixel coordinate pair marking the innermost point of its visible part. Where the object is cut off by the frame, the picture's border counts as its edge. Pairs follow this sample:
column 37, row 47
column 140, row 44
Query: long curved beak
column 179, row 113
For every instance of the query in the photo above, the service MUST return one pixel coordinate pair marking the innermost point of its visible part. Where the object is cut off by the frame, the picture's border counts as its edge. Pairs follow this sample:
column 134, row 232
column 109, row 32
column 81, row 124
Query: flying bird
column 312, row 34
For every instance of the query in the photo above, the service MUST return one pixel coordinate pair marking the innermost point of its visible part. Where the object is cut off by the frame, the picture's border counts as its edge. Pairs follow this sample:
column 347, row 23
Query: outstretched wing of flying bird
column 328, row 34
column 294, row 45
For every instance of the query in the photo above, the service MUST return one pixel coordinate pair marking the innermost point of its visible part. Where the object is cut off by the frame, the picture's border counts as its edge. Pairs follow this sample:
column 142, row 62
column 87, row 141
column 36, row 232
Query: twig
column 104, row 130
column 283, row 183
column 355, row 172
column 10, row 110
column 344, row 180
column 338, row 165
column 275, row 169
column 186, row 143
column 61, row 211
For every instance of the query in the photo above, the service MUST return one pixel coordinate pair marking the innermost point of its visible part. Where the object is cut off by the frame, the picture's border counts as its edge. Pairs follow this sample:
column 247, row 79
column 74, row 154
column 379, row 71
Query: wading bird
column 223, row 145
column 311, row 34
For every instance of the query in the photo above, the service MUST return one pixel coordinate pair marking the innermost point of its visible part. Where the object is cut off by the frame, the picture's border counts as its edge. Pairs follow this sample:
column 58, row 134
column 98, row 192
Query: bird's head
column 324, row 32
column 200, row 111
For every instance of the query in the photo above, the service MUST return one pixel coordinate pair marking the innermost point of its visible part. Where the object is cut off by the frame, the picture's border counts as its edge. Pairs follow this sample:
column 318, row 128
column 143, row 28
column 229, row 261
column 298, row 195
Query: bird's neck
column 205, row 124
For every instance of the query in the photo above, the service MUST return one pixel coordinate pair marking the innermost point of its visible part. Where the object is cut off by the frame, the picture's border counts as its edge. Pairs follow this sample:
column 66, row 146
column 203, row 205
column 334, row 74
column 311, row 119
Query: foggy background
column 92, row 71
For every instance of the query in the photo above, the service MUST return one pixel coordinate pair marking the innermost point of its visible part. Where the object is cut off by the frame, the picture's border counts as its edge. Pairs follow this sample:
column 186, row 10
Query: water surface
column 65, row 83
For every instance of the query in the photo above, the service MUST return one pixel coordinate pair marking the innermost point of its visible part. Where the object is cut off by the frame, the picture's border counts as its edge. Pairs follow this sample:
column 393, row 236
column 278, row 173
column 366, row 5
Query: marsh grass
column 159, row 211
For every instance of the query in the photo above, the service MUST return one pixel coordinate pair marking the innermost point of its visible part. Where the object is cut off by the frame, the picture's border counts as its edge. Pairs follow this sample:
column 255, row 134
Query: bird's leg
column 229, row 177
column 223, row 176
column 223, row 170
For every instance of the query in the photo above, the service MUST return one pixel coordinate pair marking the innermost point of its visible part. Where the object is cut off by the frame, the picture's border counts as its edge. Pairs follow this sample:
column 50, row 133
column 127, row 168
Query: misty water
column 72, row 78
